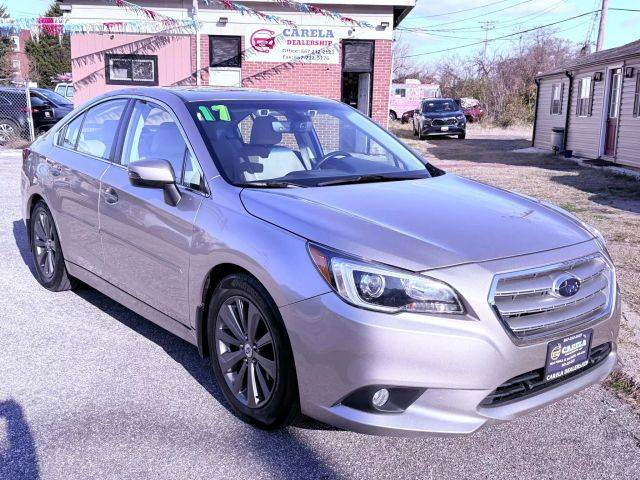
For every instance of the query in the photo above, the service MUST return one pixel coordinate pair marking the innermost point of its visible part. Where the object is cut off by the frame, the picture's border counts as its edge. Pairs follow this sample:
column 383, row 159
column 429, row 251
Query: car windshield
column 439, row 106
column 300, row 143
column 54, row 97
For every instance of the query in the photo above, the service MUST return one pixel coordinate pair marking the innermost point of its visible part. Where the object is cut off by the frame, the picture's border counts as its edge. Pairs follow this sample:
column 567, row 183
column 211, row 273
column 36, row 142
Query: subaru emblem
column 566, row 285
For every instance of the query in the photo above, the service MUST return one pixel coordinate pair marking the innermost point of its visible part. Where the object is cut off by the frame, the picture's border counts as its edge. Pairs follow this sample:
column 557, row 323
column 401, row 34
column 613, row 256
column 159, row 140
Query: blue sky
column 509, row 16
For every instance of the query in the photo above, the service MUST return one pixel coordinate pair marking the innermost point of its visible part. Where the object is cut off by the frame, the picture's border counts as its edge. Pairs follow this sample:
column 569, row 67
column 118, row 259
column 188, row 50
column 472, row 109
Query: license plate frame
column 567, row 355
column 444, row 129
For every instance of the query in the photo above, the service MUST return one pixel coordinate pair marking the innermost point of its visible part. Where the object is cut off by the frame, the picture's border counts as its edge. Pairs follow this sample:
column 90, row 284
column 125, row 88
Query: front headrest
column 262, row 132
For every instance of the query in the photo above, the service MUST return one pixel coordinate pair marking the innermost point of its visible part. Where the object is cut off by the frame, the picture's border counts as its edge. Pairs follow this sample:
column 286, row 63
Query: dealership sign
column 293, row 44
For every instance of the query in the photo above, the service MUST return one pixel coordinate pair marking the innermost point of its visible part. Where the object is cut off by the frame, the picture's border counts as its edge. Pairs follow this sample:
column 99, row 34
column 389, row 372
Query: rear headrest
column 262, row 132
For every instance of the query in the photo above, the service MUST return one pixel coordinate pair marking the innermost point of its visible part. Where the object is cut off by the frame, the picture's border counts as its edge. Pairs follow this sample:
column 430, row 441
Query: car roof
column 202, row 94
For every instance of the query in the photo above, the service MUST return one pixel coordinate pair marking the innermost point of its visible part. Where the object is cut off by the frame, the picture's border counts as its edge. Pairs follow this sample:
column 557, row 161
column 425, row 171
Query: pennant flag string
column 306, row 8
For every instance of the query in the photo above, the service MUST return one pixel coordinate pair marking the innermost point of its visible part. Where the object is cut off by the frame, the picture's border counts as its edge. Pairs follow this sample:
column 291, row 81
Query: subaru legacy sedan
column 322, row 265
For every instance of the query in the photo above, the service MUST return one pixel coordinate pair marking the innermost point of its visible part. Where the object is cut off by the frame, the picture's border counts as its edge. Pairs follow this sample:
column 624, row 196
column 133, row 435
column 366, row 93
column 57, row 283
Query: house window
column 556, row 98
column 636, row 102
column 131, row 69
column 16, row 65
column 224, row 51
column 583, row 108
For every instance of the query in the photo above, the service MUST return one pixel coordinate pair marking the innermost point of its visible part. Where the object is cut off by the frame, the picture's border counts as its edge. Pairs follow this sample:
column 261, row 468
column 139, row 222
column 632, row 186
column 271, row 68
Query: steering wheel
column 331, row 156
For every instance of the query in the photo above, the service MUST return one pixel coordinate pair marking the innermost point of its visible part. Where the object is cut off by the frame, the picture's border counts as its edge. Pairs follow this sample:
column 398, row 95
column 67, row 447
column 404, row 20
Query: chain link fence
column 16, row 114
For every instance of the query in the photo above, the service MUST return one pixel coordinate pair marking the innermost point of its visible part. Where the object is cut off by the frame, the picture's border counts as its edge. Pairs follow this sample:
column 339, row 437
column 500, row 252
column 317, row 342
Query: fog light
column 380, row 398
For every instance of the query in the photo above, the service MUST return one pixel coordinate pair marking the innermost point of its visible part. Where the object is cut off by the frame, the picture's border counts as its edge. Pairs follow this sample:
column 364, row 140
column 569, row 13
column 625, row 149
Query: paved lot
column 90, row 390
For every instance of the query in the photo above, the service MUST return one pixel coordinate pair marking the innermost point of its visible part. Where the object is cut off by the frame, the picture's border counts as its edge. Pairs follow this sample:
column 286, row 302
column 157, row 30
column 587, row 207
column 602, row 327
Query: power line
column 502, row 37
column 461, row 11
column 513, row 22
column 482, row 15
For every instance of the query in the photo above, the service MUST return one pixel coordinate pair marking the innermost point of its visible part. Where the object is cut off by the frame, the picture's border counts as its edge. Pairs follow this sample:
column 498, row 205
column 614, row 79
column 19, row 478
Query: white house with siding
column 596, row 100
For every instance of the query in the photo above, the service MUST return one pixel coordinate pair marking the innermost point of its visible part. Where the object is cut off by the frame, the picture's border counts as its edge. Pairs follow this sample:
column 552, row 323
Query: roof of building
column 603, row 56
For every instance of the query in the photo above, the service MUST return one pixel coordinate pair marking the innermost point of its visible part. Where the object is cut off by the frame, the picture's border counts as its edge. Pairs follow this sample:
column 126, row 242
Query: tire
column 462, row 136
column 9, row 130
column 415, row 132
column 273, row 400
column 46, row 250
column 421, row 136
column 393, row 116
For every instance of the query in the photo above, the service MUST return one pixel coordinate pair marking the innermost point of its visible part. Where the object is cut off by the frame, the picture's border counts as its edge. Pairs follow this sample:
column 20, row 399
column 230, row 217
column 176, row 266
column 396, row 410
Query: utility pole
column 603, row 25
column 486, row 26
column 198, row 60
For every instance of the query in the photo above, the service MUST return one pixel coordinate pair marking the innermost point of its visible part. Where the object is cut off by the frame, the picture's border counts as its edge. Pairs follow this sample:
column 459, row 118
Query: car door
column 72, row 186
column 147, row 241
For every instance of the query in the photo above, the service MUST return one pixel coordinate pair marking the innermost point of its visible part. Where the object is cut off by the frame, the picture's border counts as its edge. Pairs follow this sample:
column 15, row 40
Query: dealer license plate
column 567, row 355
column 444, row 129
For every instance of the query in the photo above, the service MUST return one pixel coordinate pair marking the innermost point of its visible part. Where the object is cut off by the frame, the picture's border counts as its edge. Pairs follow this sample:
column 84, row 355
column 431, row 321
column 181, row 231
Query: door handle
column 110, row 196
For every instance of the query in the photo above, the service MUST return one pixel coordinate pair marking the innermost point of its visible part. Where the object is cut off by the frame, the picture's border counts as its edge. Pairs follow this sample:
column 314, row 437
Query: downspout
column 568, row 111
column 196, row 15
column 535, row 113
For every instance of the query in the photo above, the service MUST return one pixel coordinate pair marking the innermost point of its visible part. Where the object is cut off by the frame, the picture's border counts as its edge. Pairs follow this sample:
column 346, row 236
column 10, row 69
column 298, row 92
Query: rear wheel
column 392, row 115
column 51, row 271
column 251, row 355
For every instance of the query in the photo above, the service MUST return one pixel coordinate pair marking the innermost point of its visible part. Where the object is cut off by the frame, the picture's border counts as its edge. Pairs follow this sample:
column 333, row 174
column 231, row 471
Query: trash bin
column 557, row 139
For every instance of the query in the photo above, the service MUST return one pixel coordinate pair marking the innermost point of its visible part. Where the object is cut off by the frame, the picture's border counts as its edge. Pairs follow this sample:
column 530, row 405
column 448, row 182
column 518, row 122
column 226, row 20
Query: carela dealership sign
column 289, row 44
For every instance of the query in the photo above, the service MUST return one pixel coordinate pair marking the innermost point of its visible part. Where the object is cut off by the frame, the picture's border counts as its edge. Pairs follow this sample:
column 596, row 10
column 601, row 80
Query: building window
column 401, row 92
column 357, row 56
column 556, row 98
column 585, row 95
column 224, row 51
column 131, row 69
column 16, row 65
column 636, row 102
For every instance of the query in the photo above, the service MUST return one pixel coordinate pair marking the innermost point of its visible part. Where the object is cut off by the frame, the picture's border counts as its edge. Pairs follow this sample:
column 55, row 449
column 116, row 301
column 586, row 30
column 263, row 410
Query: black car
column 441, row 116
column 46, row 109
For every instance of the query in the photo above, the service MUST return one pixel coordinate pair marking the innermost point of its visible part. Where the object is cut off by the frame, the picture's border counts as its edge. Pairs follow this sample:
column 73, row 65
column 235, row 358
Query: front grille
column 530, row 307
column 444, row 121
column 533, row 382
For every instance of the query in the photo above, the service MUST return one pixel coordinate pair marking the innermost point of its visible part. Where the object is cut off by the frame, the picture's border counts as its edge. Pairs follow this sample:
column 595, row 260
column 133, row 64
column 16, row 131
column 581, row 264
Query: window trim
column 588, row 111
column 239, row 56
column 636, row 102
column 559, row 87
column 129, row 56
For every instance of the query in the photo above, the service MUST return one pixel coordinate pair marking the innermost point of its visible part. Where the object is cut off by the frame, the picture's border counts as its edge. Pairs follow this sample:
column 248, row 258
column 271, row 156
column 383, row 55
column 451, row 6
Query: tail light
column 30, row 110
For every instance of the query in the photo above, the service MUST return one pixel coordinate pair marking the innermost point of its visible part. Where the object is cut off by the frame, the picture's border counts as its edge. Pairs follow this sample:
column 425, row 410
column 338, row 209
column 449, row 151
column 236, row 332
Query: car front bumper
column 438, row 130
column 459, row 361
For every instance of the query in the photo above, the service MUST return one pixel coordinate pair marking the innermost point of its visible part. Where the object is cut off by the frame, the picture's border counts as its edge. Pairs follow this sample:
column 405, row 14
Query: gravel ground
column 88, row 389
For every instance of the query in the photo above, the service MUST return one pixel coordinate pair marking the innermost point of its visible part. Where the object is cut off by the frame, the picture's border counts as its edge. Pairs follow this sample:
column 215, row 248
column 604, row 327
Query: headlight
column 461, row 118
column 382, row 288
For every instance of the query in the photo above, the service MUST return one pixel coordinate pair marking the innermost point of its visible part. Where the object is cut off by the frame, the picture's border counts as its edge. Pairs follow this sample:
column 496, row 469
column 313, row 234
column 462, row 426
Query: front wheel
column 462, row 136
column 251, row 354
column 51, row 271
column 393, row 116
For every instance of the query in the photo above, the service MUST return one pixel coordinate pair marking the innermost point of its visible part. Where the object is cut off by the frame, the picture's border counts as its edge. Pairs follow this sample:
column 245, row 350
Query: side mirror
column 156, row 173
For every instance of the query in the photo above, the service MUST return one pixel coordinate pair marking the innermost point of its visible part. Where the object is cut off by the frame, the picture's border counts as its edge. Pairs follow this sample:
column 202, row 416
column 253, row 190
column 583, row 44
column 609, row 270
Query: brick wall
column 313, row 79
column 381, row 82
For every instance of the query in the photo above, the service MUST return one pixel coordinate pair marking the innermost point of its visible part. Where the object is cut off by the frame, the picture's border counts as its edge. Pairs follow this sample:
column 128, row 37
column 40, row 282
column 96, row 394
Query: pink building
column 319, row 56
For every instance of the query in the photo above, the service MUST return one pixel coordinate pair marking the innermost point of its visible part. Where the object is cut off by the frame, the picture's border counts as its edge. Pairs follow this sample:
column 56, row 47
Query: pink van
column 404, row 97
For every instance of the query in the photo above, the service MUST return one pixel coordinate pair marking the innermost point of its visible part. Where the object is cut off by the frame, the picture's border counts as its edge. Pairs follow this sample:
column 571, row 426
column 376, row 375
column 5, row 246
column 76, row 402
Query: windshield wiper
column 373, row 178
column 270, row 184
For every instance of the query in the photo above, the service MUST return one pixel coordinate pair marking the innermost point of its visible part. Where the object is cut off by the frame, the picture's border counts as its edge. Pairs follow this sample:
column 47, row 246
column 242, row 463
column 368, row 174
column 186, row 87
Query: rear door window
column 98, row 132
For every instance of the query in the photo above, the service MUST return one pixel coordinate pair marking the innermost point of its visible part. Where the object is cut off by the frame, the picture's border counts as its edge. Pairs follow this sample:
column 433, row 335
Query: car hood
column 442, row 114
column 417, row 224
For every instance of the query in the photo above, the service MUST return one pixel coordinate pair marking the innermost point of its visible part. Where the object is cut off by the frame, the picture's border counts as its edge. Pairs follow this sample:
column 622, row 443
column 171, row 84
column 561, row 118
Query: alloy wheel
column 44, row 240
column 6, row 132
column 245, row 351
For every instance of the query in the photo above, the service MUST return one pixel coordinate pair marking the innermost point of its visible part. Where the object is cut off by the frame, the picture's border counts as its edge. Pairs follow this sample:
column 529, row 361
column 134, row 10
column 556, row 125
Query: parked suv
column 321, row 264
column 442, row 116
